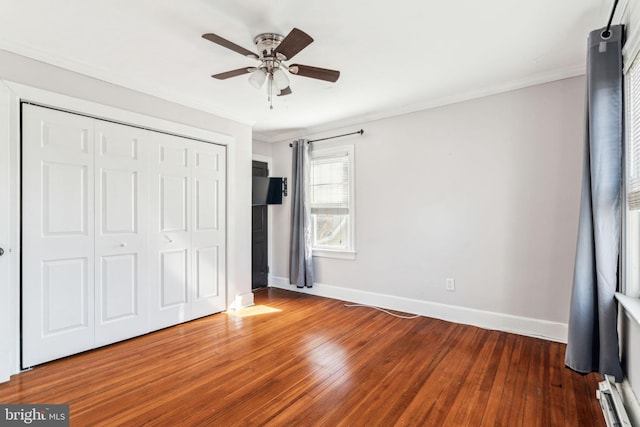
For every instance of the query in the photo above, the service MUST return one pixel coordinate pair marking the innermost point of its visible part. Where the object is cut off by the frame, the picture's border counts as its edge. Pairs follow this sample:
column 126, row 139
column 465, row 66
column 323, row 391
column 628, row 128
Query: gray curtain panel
column 300, row 256
column 592, row 344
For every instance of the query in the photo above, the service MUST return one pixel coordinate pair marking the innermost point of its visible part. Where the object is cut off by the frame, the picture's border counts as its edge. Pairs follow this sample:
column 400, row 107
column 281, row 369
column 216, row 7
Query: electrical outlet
column 451, row 285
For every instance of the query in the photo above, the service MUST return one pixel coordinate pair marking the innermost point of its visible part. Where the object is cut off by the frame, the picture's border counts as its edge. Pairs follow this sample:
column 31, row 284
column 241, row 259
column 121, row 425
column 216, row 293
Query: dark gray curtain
column 593, row 338
column 300, row 257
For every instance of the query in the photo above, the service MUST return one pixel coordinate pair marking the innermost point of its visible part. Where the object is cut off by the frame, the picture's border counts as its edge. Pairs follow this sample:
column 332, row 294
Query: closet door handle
column 1, row 251
column 168, row 238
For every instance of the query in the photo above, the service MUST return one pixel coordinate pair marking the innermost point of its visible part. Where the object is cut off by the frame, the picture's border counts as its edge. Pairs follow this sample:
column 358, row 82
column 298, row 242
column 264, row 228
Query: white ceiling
column 394, row 56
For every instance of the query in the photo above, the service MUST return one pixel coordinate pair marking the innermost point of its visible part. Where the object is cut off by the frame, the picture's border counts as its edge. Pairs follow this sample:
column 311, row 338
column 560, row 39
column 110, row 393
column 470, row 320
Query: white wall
column 263, row 149
column 43, row 76
column 485, row 191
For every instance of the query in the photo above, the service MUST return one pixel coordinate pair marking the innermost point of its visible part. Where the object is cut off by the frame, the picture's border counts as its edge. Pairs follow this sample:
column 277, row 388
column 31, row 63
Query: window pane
column 332, row 170
column 330, row 194
column 330, row 182
column 330, row 230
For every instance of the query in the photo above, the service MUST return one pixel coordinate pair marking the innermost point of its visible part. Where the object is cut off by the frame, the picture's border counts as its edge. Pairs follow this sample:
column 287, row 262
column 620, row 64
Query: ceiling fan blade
column 295, row 41
column 314, row 72
column 229, row 45
column 233, row 73
column 285, row 91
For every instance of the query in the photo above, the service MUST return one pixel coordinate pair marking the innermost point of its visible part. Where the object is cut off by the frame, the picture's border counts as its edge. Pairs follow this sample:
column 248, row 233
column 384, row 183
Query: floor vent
column 612, row 407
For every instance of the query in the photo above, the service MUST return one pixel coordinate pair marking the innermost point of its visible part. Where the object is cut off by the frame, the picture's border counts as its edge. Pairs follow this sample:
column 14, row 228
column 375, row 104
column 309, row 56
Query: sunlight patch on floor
column 254, row 310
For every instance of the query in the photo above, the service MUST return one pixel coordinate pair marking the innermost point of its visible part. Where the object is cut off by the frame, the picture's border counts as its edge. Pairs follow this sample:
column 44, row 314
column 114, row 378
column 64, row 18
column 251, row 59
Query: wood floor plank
column 311, row 361
column 468, row 408
column 519, row 392
column 499, row 392
column 536, row 393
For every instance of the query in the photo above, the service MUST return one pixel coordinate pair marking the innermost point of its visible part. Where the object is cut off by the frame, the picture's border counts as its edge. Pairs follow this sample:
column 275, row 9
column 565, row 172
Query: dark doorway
column 259, row 236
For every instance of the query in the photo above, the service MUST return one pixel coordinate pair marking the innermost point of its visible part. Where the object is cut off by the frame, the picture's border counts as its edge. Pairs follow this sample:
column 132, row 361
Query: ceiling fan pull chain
column 270, row 89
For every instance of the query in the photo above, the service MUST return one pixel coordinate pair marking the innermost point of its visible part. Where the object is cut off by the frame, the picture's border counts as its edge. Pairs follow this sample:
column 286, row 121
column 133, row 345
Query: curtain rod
column 361, row 131
column 606, row 33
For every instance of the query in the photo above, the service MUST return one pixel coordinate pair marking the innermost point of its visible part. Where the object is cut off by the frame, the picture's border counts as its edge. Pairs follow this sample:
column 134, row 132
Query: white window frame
column 338, row 151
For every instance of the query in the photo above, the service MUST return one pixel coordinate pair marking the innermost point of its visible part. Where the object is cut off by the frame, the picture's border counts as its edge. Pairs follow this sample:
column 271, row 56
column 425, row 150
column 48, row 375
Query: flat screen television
column 266, row 191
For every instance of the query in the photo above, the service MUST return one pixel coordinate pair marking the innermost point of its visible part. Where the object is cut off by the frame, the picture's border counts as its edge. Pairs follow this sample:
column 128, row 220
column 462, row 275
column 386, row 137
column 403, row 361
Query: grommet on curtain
column 606, row 34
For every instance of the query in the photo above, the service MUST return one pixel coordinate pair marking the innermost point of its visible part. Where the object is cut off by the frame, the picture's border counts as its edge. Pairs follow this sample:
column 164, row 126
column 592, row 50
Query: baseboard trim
column 553, row 331
column 242, row 301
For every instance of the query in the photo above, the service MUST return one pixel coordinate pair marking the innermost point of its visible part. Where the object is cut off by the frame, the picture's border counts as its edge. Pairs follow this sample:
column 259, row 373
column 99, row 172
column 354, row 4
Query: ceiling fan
column 272, row 52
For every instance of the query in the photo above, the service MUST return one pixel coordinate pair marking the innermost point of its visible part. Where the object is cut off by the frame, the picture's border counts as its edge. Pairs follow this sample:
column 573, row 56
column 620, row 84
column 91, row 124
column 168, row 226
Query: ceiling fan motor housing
column 266, row 44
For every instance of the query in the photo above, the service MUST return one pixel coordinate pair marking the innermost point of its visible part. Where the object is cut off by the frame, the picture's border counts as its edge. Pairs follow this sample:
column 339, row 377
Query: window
column 332, row 202
column 632, row 155
column 633, row 136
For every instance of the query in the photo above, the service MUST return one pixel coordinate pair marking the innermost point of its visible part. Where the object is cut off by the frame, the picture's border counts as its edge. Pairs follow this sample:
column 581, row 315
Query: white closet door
column 57, row 234
column 169, row 231
column 121, row 199
column 124, row 231
column 208, row 232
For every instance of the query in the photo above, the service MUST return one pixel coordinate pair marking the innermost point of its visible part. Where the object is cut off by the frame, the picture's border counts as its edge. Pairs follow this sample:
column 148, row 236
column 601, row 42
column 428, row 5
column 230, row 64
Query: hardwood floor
column 300, row 360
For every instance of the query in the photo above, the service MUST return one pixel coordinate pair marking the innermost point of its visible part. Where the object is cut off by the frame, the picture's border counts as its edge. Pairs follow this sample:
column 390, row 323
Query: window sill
column 631, row 305
column 326, row 253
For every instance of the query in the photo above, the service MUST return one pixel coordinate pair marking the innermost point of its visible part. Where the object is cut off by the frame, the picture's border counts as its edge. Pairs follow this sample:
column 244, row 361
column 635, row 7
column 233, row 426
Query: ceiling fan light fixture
column 257, row 78
column 280, row 79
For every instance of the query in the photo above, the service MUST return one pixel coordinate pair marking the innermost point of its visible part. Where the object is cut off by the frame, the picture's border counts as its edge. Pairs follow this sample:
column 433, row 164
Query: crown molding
column 358, row 120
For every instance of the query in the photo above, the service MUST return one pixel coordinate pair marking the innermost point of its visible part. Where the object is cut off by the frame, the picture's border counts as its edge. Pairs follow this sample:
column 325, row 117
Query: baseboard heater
column 611, row 403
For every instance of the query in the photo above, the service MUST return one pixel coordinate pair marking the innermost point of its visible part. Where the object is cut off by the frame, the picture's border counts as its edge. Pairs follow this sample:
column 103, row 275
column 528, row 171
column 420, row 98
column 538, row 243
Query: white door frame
column 11, row 96
column 9, row 234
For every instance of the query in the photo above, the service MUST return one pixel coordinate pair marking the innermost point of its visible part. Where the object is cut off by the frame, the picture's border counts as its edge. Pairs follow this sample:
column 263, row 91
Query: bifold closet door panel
column 121, row 247
column 208, row 239
column 170, row 224
column 187, row 230
column 57, row 234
